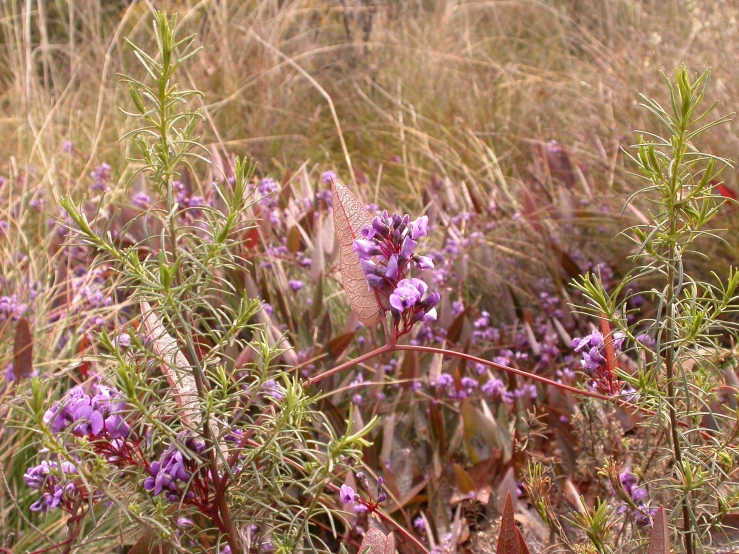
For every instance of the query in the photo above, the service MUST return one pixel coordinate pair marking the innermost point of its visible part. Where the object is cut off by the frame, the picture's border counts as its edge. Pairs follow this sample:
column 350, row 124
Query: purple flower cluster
column 96, row 415
column 386, row 252
column 11, row 308
column 101, row 176
column 173, row 471
column 591, row 348
column 408, row 297
column 53, row 478
column 387, row 247
column 643, row 513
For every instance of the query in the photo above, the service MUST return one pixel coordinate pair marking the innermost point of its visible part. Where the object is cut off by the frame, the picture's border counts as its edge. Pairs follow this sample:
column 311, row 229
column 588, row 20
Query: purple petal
column 96, row 423
column 397, row 302
column 392, row 267
column 424, row 262
column 83, row 412
column 409, row 245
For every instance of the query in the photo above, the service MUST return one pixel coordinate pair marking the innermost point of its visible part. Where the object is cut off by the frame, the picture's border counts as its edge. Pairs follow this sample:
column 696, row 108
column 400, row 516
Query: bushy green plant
column 174, row 443
column 678, row 383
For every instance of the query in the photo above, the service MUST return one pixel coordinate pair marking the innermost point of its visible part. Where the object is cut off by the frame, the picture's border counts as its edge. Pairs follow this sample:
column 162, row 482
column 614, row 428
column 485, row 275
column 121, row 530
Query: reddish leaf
column 509, row 486
column 560, row 166
column 337, row 346
column 376, row 542
column 508, row 539
column 349, row 218
column 465, row 484
column 521, row 543
column 659, row 540
column 455, row 329
column 22, row 350
column 725, row 191
column 294, row 240
column 147, row 544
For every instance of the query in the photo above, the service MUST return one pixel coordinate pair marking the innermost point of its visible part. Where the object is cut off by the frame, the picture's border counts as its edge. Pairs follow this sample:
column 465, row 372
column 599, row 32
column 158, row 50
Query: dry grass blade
column 22, row 350
column 659, row 539
column 175, row 366
column 349, row 218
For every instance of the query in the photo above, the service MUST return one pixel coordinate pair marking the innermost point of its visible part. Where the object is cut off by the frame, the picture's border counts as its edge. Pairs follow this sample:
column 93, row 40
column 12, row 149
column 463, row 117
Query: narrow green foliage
column 681, row 350
column 247, row 434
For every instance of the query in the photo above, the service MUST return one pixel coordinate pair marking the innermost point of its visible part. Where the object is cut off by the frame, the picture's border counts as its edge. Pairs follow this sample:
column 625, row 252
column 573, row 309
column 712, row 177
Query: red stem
column 468, row 357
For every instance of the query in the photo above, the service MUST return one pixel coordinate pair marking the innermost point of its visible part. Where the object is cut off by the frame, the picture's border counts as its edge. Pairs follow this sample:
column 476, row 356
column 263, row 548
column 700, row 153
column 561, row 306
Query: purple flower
column 365, row 249
column 100, row 176
column 420, row 524
column 328, row 176
column 295, row 284
column 409, row 245
column 346, row 494
column 469, row 383
column 171, row 470
column 444, row 381
column 495, row 388
column 124, row 340
column 593, row 340
column 429, row 316
column 195, row 202
column 645, row 515
column 646, row 340
column 141, row 199
column 270, row 387
column 627, row 479
column 424, row 262
column 53, row 479
column 267, row 186
column 618, row 339
column 392, row 267
column 327, row 196
column 88, row 415
column 407, row 293
column 419, row 228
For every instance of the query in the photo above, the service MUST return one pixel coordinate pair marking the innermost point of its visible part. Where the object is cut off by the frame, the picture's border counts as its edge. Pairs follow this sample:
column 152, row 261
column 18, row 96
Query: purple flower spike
column 52, row 478
column 386, row 255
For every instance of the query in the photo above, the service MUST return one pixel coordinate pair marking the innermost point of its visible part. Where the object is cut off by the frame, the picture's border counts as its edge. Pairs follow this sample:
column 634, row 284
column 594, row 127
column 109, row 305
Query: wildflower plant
column 681, row 350
column 171, row 434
